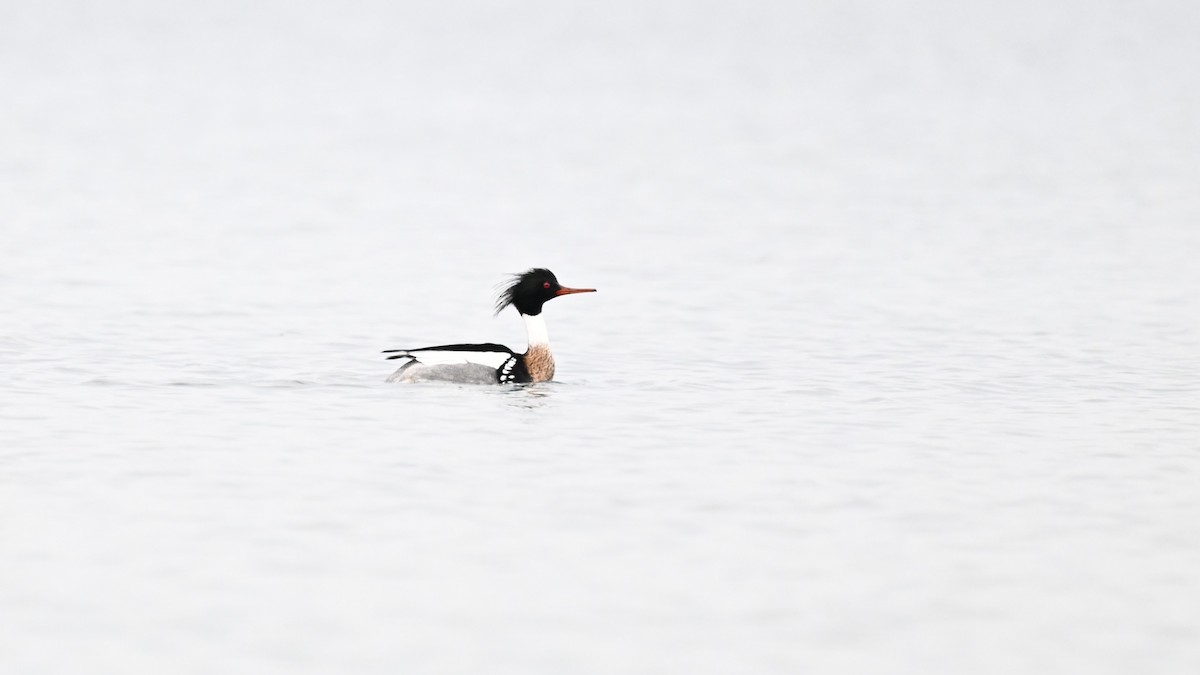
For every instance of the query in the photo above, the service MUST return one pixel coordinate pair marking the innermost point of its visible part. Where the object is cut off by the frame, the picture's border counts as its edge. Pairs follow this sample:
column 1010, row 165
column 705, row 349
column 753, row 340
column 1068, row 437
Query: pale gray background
column 893, row 367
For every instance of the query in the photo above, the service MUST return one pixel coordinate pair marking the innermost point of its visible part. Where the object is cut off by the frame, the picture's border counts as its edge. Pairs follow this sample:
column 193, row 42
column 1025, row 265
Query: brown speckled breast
column 540, row 363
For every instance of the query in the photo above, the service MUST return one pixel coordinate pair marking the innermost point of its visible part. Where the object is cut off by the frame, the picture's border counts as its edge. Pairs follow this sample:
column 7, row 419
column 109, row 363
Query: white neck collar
column 535, row 326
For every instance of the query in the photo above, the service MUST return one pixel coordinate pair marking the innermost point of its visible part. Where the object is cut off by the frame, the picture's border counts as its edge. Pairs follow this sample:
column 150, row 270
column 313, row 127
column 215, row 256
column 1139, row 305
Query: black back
column 484, row 347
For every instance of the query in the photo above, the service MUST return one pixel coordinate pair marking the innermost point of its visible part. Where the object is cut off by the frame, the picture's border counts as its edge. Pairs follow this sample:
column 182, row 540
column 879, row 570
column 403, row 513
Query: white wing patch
column 437, row 357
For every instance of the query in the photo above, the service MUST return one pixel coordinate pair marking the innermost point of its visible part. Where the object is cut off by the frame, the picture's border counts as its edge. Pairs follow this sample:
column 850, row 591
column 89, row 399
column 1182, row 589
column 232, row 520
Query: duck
column 491, row 363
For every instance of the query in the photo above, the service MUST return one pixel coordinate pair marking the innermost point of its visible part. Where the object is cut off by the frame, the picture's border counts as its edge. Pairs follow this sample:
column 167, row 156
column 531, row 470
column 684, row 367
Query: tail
column 398, row 354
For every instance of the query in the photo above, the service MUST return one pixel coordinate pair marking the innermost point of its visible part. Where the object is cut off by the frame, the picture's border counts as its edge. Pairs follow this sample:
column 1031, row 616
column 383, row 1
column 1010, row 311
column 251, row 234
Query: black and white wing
column 490, row 354
column 488, row 363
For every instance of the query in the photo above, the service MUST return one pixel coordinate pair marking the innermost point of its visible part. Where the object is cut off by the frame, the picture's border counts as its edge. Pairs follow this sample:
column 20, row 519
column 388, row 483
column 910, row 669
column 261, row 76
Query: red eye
column 546, row 285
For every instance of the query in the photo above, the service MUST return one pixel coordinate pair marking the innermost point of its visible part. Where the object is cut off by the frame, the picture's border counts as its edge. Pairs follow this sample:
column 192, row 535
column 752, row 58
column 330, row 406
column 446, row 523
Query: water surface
column 892, row 367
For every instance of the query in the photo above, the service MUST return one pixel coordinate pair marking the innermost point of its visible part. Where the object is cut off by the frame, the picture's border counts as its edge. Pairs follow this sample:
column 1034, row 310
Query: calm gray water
column 893, row 365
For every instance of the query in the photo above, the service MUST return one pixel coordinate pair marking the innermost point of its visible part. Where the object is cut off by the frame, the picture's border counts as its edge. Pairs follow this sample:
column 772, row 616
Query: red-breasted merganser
column 492, row 363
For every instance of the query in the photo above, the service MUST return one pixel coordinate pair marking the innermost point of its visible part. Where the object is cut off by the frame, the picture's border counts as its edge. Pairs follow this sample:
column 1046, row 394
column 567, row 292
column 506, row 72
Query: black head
column 530, row 290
